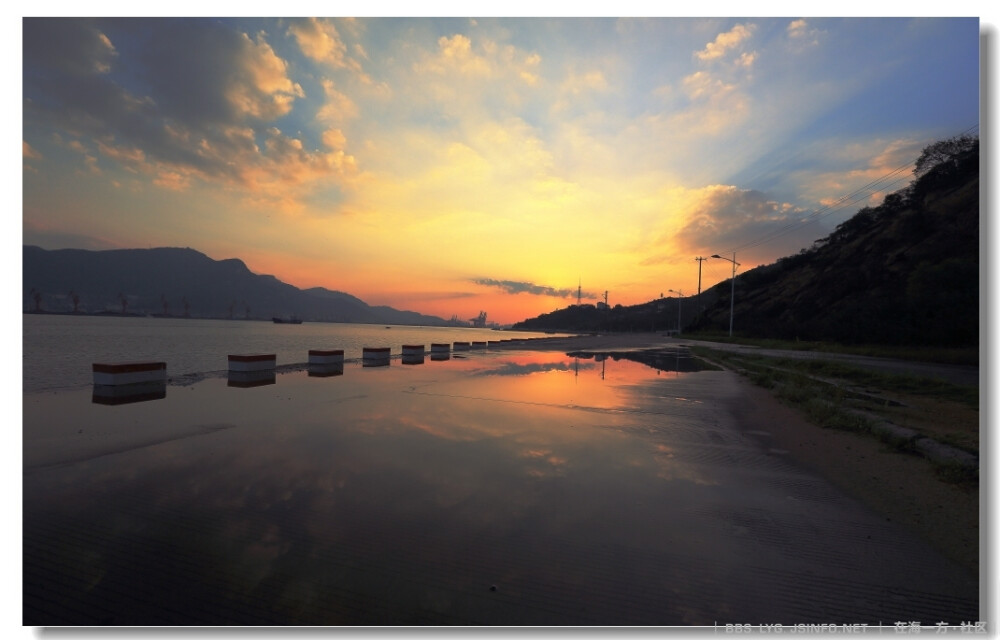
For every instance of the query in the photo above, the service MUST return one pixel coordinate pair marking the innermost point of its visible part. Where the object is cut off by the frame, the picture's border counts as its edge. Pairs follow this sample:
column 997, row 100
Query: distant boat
column 292, row 320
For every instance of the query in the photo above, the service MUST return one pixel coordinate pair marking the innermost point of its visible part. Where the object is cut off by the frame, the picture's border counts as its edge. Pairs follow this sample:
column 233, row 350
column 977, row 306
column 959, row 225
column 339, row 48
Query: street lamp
column 732, row 295
column 680, row 295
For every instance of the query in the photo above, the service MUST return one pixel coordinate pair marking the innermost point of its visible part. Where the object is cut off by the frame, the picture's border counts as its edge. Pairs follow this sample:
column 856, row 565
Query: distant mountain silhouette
column 179, row 282
column 904, row 273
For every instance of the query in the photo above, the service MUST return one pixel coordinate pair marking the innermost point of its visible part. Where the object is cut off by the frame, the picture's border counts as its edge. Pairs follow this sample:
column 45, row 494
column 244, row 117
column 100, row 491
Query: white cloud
column 724, row 42
column 261, row 87
column 319, row 41
column 801, row 35
column 338, row 107
column 455, row 56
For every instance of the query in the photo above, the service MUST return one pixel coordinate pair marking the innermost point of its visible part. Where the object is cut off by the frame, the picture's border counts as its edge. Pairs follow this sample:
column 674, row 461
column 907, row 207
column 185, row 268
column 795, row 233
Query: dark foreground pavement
column 505, row 488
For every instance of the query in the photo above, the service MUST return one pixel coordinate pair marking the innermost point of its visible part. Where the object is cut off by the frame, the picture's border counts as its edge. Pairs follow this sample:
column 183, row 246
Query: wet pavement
column 511, row 488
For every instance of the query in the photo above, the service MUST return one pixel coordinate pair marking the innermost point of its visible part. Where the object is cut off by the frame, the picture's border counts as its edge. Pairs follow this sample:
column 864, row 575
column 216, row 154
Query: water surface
column 510, row 488
column 58, row 350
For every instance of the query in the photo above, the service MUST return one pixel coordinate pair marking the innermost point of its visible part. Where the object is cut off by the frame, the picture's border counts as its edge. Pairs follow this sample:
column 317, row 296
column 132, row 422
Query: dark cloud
column 183, row 92
column 70, row 46
column 514, row 287
column 747, row 220
column 204, row 72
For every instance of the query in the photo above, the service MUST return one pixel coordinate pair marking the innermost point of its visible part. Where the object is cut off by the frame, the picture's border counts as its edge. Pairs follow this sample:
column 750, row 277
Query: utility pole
column 700, row 260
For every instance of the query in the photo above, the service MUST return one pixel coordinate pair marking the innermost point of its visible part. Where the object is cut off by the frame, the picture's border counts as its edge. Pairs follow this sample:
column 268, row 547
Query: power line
column 865, row 191
column 882, row 183
column 819, row 214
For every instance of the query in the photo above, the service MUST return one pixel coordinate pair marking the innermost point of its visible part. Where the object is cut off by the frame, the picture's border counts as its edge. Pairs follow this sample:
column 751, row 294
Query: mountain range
column 183, row 283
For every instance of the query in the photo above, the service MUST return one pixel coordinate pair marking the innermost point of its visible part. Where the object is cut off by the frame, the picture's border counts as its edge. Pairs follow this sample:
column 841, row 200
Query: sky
column 457, row 165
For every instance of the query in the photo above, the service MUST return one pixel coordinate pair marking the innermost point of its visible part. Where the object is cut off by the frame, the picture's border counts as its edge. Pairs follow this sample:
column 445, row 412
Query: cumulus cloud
column 209, row 93
column 720, row 217
column 515, row 287
column 67, row 45
column 338, row 107
column 462, row 74
column 204, row 73
column 801, row 34
column 455, row 55
column 718, row 98
column 714, row 106
column 725, row 42
column 260, row 87
column 28, row 152
column 702, row 85
column 319, row 40
column 334, row 139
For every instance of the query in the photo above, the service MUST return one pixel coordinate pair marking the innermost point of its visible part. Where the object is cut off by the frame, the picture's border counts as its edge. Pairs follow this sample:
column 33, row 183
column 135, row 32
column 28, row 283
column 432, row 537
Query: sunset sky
column 452, row 165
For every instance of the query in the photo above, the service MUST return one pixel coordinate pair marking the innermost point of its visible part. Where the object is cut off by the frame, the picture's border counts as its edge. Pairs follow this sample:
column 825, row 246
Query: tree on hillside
column 944, row 153
column 903, row 272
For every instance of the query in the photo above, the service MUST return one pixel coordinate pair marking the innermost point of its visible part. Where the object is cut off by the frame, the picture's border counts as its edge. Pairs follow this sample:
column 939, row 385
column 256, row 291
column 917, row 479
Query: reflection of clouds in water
column 544, row 464
column 672, row 467
column 535, row 453
column 515, row 369
column 305, row 480
column 440, row 429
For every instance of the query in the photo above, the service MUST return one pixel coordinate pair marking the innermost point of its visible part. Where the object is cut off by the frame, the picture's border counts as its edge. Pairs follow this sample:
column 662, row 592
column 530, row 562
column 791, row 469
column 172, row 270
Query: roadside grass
column 941, row 355
column 830, row 394
column 880, row 381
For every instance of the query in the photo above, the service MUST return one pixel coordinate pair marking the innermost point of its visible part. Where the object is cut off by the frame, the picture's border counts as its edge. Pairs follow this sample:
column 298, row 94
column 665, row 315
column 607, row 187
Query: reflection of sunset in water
column 586, row 491
column 551, row 379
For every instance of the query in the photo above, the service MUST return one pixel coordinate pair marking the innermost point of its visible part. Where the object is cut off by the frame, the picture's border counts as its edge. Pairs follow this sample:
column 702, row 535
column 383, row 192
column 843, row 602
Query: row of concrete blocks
column 143, row 372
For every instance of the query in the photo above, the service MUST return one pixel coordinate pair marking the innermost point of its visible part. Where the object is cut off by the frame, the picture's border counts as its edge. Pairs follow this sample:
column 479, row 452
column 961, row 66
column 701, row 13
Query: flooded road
column 510, row 488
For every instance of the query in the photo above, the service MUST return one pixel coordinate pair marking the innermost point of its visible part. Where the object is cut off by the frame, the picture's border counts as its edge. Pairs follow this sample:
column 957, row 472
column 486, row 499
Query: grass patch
column 899, row 383
column 830, row 393
column 765, row 366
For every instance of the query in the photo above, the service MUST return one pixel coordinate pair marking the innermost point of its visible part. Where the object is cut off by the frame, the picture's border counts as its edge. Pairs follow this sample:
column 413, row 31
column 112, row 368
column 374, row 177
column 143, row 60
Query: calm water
column 506, row 488
column 58, row 351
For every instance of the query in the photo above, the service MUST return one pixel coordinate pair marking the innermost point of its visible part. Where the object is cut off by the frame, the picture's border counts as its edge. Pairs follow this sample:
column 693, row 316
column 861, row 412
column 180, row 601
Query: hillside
column 656, row 315
column 904, row 272
column 182, row 282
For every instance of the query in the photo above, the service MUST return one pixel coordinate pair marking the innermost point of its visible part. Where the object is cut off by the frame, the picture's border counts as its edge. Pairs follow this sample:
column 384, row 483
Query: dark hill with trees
column 903, row 273
column 182, row 283
column 656, row 315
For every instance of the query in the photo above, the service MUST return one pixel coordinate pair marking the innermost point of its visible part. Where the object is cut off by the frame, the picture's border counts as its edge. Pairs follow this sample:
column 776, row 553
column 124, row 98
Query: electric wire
column 881, row 184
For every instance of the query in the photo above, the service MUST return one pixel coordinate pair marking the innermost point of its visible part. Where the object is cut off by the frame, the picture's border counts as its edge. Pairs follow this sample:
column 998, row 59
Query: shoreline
column 901, row 487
